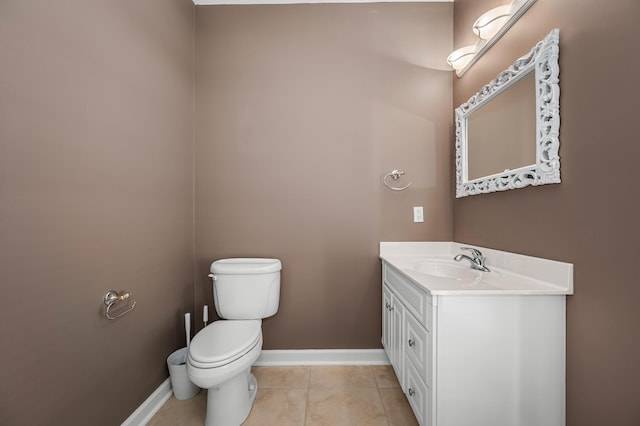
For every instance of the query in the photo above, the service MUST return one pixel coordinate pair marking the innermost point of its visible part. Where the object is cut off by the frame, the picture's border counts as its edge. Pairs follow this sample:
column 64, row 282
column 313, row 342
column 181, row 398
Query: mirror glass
column 502, row 133
column 507, row 134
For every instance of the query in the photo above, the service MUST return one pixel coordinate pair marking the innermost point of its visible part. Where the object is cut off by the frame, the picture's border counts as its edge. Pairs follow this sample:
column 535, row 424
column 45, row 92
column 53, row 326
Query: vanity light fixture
column 489, row 28
column 488, row 25
column 460, row 58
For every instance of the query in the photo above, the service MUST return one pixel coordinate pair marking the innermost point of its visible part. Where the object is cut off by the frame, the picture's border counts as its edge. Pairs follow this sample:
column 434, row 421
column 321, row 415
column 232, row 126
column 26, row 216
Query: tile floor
column 310, row 395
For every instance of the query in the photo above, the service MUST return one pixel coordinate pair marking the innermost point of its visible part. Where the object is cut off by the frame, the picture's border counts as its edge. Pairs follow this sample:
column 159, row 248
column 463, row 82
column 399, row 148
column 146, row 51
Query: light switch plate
column 418, row 214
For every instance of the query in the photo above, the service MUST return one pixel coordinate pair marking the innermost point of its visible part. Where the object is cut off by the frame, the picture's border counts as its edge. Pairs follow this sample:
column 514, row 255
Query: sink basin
column 452, row 271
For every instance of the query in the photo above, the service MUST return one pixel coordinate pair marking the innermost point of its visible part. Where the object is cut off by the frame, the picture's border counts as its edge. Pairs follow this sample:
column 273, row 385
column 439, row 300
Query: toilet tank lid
column 246, row 266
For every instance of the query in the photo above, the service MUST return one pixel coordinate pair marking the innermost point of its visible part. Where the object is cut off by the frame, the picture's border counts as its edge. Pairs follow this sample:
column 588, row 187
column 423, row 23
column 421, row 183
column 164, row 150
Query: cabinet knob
column 411, row 392
column 412, row 343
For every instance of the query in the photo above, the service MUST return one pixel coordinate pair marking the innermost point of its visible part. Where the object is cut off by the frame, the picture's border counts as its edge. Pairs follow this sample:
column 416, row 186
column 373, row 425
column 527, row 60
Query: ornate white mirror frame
column 543, row 60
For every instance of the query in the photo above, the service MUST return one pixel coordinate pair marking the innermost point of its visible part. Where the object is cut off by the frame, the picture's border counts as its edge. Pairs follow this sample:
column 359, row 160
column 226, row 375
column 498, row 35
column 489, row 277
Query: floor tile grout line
column 306, row 402
column 384, row 407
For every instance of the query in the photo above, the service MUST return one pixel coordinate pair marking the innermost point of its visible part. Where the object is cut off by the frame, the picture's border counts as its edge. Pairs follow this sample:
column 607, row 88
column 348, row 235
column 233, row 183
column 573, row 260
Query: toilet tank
column 246, row 288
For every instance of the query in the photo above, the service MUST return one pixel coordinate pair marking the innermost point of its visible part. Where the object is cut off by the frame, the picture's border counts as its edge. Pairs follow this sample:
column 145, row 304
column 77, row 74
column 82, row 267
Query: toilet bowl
column 220, row 359
column 221, row 355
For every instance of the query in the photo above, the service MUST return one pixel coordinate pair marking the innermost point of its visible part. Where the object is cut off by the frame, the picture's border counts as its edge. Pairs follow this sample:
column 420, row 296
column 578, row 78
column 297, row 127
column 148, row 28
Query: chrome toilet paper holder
column 112, row 298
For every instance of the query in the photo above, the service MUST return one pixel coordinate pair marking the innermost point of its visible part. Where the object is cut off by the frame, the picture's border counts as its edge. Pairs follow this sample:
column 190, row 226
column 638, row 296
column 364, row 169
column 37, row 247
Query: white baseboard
column 269, row 358
column 150, row 406
column 322, row 357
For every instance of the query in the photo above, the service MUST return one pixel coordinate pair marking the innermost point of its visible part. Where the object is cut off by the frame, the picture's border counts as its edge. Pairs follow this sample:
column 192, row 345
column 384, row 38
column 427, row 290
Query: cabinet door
column 386, row 320
column 392, row 330
column 417, row 346
column 397, row 338
column 419, row 395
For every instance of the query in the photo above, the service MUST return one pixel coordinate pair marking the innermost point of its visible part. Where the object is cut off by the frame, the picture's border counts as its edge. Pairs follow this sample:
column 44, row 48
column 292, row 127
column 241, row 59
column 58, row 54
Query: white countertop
column 511, row 273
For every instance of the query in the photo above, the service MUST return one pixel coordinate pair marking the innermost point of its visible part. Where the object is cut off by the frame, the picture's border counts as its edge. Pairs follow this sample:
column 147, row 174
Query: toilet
column 220, row 357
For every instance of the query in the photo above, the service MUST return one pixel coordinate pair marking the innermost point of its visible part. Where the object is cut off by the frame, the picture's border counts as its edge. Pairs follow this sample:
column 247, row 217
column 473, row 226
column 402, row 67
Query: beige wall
column 591, row 218
column 301, row 109
column 96, row 130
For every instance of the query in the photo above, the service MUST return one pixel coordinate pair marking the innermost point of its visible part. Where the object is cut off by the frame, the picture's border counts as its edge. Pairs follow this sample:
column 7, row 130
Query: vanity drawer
column 417, row 347
column 415, row 299
column 418, row 395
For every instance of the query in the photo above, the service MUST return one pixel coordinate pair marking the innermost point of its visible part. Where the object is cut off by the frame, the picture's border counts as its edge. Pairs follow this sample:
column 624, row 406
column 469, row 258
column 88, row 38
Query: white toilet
column 221, row 354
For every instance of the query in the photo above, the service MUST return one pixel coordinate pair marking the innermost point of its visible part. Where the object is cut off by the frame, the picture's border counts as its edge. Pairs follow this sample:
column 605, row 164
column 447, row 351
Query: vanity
column 473, row 348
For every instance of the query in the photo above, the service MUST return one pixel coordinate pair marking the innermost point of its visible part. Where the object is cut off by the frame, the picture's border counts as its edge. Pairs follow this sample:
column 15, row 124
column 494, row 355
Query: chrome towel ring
column 395, row 175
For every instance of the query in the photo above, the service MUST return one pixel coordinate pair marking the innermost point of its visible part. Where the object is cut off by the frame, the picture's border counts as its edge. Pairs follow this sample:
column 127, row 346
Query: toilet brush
column 205, row 314
column 187, row 329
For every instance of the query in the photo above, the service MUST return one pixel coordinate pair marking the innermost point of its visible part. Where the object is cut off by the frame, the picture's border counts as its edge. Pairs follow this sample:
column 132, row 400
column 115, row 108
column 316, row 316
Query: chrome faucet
column 477, row 259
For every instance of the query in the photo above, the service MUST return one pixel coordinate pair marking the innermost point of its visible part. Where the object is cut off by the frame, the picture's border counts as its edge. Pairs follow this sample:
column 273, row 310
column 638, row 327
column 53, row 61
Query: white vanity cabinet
column 475, row 359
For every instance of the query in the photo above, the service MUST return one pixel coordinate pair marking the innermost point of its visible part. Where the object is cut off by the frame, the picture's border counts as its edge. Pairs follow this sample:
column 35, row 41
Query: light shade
column 461, row 57
column 490, row 22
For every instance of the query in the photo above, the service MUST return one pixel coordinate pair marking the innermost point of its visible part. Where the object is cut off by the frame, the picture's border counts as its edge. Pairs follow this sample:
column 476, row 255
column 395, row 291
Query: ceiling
column 212, row 2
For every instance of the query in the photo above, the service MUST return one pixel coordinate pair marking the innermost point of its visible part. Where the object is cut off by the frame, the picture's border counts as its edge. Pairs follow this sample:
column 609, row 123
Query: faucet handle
column 477, row 254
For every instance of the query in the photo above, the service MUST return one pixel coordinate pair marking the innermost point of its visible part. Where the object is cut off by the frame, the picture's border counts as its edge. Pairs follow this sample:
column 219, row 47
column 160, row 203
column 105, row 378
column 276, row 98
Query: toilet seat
column 223, row 342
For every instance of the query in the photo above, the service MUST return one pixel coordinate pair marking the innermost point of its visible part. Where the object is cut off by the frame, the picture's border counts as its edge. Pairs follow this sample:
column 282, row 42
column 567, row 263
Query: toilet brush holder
column 182, row 387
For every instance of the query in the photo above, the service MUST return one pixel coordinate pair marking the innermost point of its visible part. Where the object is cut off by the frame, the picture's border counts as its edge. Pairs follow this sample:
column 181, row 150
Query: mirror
column 507, row 134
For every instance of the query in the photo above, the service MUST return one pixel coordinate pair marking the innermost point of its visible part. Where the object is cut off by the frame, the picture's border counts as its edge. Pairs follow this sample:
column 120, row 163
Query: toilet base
column 230, row 403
